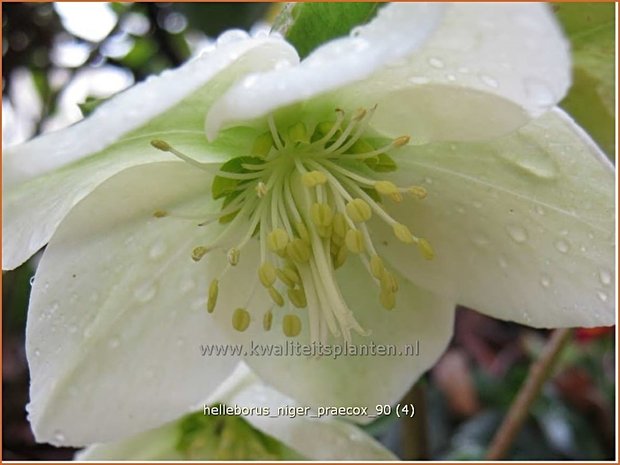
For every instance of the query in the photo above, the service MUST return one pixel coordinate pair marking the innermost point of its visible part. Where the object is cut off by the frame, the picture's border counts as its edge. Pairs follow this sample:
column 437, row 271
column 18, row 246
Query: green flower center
column 306, row 194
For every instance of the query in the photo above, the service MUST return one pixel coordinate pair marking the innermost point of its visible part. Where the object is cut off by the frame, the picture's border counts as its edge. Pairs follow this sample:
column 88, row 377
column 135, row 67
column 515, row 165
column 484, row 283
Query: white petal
column 172, row 107
column 315, row 439
column 483, row 72
column 397, row 30
column 345, row 380
column 117, row 312
column 522, row 227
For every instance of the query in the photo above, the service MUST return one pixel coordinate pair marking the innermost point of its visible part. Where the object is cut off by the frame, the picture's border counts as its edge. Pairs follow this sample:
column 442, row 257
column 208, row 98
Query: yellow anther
column 400, row 141
column 267, row 320
column 233, row 256
column 241, row 319
column 161, row 145
column 302, row 231
column 298, row 133
column 396, row 197
column 276, row 296
column 213, row 291
column 261, row 189
column 262, row 145
column 354, row 241
column 418, row 192
column 339, row 225
column 288, row 276
column 358, row 210
column 340, row 257
column 160, row 213
column 425, row 249
column 388, row 282
column 388, row 300
column 313, row 178
column 291, row 325
column 359, row 114
column 297, row 297
column 376, row 266
column 298, row 250
column 324, row 231
column 277, row 240
column 321, row 214
column 402, row 233
column 199, row 252
column 267, row 274
column 386, row 188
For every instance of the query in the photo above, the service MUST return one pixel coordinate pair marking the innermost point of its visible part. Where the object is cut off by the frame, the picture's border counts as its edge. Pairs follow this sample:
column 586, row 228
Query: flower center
column 306, row 194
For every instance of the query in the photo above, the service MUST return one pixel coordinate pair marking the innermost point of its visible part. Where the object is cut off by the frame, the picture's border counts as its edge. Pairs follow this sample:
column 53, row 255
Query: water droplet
column 419, row 80
column 436, row 62
column 562, row 246
column 530, row 156
column 451, row 77
column 545, row 280
column 480, row 239
column 605, row 277
column 539, row 92
column 428, row 181
column 113, row 343
column 477, row 204
column 59, row 436
column 230, row 36
column 146, row 292
column 37, row 352
column 489, row 81
column 540, row 210
column 502, row 262
column 158, row 249
column 187, row 286
column 517, row 233
column 602, row 296
column 32, row 280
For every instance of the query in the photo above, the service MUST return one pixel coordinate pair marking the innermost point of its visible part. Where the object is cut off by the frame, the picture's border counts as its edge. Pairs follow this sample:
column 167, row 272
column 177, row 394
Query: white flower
column 519, row 210
column 267, row 427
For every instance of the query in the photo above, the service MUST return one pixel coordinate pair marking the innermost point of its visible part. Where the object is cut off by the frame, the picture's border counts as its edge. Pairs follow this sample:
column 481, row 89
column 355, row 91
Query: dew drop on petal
column 605, row 277
column 232, row 35
column 540, row 210
column 419, row 80
column 502, row 262
column 32, row 280
column 480, row 239
column 602, row 295
column 436, row 62
column 477, row 204
column 157, row 250
column 59, row 436
column 539, row 91
column 145, row 293
column 545, row 281
column 517, row 233
column 37, row 352
column 562, row 246
column 489, row 81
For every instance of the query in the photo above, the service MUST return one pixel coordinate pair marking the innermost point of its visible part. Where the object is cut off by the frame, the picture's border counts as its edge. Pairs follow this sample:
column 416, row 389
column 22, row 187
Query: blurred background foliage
column 56, row 57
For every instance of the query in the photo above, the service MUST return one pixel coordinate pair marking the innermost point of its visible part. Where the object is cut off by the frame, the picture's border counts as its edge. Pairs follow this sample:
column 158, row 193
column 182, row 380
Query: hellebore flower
column 258, row 434
column 422, row 156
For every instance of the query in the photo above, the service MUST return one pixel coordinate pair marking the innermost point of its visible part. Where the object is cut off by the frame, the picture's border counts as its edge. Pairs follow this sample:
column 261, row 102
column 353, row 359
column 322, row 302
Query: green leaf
column 308, row 25
column 591, row 100
column 221, row 186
